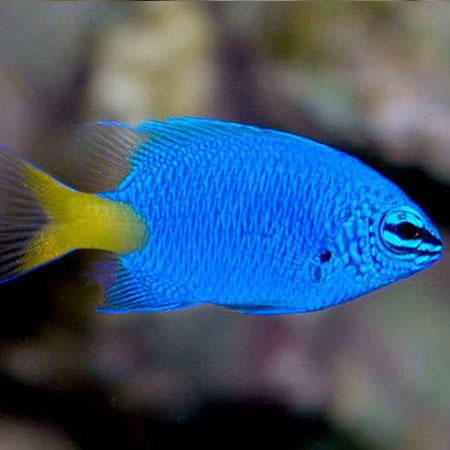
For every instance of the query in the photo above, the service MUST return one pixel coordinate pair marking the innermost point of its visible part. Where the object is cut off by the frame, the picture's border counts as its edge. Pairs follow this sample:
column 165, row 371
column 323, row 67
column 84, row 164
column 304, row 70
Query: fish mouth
column 429, row 251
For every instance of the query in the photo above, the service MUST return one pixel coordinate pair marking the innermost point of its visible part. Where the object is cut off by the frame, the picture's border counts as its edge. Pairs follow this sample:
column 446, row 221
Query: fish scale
column 256, row 284
column 206, row 211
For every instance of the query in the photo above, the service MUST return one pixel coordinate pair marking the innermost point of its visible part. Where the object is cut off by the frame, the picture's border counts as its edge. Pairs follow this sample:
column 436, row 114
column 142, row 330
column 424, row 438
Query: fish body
column 247, row 218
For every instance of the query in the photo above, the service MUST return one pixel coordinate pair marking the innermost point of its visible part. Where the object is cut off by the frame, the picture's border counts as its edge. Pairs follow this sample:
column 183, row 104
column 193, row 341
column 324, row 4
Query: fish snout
column 430, row 250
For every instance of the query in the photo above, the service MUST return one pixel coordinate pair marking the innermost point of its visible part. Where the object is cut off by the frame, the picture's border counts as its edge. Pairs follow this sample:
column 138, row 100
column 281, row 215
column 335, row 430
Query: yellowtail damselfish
column 203, row 211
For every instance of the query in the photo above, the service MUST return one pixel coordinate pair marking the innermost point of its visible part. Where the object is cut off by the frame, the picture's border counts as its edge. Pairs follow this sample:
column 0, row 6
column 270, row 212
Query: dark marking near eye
column 325, row 256
column 422, row 234
column 409, row 231
column 427, row 237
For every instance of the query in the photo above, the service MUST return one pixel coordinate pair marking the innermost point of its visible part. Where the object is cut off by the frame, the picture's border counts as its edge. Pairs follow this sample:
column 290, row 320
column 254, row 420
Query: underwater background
column 370, row 78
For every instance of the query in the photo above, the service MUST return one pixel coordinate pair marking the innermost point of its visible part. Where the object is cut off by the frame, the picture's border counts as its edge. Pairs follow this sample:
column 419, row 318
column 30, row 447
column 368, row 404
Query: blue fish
column 196, row 211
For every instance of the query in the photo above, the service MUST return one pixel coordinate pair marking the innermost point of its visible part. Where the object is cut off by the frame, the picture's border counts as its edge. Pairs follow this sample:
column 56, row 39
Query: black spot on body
column 321, row 270
column 325, row 256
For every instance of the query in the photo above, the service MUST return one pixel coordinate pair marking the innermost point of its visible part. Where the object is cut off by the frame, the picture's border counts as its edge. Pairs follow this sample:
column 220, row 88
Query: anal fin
column 123, row 292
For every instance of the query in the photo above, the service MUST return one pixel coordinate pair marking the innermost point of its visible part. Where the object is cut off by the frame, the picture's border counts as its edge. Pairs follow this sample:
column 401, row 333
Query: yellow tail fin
column 42, row 219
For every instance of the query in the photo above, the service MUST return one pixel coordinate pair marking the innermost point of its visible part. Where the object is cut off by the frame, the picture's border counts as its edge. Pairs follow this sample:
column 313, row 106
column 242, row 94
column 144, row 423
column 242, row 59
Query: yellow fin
column 45, row 219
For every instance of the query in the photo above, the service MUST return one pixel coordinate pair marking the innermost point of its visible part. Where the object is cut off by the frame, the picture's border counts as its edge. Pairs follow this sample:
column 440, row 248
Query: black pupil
column 407, row 230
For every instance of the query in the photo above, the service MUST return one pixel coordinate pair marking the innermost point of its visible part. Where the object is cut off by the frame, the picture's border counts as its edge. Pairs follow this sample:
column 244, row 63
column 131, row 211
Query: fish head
column 403, row 241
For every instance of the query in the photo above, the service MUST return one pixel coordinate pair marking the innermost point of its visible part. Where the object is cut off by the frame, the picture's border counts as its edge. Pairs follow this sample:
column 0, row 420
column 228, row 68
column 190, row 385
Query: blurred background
column 370, row 78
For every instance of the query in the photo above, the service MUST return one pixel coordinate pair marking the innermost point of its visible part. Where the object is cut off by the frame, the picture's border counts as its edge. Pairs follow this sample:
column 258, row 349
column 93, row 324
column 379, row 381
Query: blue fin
column 182, row 131
column 108, row 151
column 266, row 310
column 123, row 293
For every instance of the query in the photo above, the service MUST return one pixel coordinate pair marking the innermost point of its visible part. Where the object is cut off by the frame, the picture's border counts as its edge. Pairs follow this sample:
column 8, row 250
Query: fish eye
column 407, row 230
column 401, row 230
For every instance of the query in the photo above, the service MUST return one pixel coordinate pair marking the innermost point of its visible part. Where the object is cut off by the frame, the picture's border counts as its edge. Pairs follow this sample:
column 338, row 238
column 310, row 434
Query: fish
column 191, row 211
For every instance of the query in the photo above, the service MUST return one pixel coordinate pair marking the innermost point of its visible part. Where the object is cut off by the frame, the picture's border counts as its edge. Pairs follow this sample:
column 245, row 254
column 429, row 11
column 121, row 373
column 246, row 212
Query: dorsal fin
column 184, row 130
column 184, row 138
column 109, row 150
column 106, row 153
